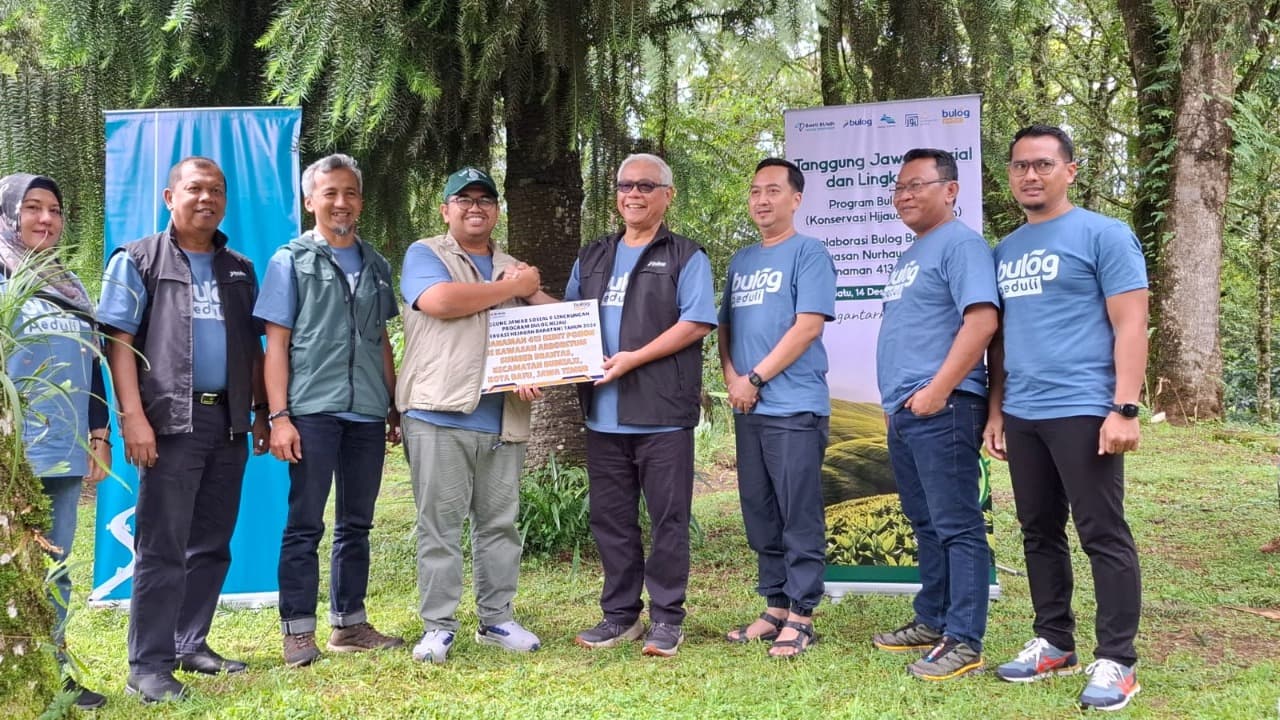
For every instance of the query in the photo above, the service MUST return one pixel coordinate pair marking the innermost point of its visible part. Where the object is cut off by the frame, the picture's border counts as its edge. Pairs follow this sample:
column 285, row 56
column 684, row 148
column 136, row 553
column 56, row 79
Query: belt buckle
column 207, row 398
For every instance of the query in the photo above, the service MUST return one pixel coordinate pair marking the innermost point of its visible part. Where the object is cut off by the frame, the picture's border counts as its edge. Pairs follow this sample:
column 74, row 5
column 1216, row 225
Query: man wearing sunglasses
column 1066, row 370
column 939, row 316
column 655, row 294
column 465, row 449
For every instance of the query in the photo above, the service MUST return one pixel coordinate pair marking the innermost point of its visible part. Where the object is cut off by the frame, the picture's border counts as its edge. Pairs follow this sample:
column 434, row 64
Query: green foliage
column 870, row 531
column 554, row 515
column 1250, row 273
column 28, row 672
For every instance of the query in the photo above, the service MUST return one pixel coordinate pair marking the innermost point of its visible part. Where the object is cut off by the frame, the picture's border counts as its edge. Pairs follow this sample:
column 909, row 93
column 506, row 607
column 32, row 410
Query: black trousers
column 780, row 488
column 622, row 467
column 1056, row 470
column 186, row 513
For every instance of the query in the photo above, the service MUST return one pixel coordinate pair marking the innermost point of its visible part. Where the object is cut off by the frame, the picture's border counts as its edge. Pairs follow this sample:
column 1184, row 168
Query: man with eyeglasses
column 1066, row 370
column 779, row 296
column 939, row 316
column 465, row 450
column 656, row 305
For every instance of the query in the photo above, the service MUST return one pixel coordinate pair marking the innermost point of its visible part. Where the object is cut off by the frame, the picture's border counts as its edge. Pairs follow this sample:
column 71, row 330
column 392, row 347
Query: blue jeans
column 64, row 494
column 348, row 455
column 935, row 464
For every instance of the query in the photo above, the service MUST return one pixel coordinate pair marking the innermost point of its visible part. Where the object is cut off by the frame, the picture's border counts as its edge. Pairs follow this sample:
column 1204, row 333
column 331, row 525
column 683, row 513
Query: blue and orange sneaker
column 1038, row 660
column 1111, row 685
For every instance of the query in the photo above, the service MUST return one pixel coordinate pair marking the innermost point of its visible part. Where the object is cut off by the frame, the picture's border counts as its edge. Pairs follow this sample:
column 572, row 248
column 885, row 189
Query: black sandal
column 742, row 637
column 802, row 642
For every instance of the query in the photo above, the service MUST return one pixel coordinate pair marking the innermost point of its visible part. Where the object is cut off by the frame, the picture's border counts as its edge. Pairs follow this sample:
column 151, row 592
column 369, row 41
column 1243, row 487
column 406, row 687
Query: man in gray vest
column 186, row 363
column 465, row 449
column 326, row 298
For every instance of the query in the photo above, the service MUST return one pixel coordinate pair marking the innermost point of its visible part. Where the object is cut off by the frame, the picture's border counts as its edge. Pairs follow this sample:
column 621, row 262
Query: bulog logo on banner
column 850, row 157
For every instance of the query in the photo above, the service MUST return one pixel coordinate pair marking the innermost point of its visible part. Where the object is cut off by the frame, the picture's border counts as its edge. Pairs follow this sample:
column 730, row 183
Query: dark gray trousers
column 186, row 513
column 621, row 467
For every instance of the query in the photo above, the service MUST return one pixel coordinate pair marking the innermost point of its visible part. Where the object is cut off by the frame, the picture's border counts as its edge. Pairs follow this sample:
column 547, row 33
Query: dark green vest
column 335, row 349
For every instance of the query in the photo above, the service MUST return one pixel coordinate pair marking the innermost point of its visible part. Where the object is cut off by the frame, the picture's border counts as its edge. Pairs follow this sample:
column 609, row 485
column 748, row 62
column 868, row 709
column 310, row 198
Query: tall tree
column 1187, row 57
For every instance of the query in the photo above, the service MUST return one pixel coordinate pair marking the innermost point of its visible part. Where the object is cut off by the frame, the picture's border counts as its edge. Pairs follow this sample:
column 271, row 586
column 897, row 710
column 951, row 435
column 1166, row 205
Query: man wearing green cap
column 465, row 449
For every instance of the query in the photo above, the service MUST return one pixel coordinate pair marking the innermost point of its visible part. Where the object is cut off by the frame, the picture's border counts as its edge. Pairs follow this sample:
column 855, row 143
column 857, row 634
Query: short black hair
column 1053, row 131
column 945, row 161
column 795, row 178
column 175, row 172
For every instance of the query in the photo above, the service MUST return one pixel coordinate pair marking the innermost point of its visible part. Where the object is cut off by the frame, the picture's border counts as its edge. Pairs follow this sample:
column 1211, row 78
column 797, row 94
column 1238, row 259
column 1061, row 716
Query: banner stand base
column 235, row 601
column 837, row 590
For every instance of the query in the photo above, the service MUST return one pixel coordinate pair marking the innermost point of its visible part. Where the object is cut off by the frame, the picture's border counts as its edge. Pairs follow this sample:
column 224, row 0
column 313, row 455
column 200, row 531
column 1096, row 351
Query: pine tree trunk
column 1263, row 336
column 28, row 673
column 544, row 200
column 1189, row 364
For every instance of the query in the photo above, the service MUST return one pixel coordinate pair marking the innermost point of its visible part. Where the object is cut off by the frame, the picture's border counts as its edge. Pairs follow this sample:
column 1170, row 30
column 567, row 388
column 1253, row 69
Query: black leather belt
column 209, row 398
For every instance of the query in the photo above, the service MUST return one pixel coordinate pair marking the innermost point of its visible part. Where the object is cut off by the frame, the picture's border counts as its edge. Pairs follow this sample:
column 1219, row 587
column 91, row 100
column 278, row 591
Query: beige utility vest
column 443, row 363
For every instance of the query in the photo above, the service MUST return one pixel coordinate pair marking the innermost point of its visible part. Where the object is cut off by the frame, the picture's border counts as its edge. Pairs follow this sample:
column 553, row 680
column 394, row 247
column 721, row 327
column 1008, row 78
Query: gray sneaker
column 663, row 640
column 300, row 649
column 607, row 634
column 912, row 637
column 361, row 637
column 949, row 659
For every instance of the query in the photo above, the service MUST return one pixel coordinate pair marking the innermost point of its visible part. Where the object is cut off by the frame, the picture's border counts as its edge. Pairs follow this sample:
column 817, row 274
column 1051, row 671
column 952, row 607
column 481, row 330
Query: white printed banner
column 850, row 157
column 554, row 344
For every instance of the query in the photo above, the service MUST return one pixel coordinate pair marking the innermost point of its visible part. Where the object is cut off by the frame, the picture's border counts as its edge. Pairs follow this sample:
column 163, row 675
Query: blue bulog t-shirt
column 767, row 288
column 936, row 279
column 1054, row 279
column 124, row 297
column 422, row 270
column 695, row 296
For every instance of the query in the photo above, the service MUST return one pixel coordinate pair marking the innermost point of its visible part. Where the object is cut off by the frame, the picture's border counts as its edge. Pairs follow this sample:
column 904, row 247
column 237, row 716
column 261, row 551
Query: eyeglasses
column 915, row 186
column 645, row 187
column 1043, row 166
column 466, row 203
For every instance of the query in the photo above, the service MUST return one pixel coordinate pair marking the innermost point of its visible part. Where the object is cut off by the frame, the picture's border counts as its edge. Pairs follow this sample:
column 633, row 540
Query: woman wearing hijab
column 56, row 368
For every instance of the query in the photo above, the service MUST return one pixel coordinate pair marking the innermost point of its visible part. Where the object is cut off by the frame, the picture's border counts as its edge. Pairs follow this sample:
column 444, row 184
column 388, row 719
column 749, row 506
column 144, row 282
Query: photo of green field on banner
column 865, row 525
column 850, row 157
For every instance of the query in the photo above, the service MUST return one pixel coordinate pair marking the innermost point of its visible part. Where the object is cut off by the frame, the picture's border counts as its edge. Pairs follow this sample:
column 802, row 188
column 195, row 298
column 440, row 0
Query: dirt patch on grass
column 1215, row 643
column 714, row 479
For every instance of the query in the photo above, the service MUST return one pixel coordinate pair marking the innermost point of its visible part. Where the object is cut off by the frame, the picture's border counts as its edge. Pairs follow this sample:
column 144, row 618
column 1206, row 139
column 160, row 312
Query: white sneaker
column 509, row 635
column 433, row 646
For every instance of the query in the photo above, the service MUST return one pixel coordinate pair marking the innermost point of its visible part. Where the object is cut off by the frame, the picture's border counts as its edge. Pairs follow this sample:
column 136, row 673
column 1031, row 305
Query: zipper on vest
column 349, row 298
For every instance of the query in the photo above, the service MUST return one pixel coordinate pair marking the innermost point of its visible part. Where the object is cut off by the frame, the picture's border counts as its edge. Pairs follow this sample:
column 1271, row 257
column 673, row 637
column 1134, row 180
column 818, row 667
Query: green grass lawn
column 1201, row 502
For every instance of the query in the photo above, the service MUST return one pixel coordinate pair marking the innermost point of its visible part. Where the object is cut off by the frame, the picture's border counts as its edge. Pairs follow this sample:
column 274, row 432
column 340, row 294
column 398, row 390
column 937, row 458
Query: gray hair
column 328, row 164
column 664, row 170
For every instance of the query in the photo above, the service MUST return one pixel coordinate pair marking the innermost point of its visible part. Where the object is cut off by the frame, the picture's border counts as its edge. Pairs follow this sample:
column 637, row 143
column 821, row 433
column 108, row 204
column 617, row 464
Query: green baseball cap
column 466, row 177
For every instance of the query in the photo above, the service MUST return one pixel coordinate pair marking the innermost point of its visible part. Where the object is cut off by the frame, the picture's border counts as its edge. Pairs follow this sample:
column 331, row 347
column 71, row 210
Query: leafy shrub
column 553, row 509
column 870, row 531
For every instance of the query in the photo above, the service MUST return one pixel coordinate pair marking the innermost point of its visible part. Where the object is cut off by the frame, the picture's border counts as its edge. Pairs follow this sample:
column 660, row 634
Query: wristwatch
column 1128, row 410
column 755, row 379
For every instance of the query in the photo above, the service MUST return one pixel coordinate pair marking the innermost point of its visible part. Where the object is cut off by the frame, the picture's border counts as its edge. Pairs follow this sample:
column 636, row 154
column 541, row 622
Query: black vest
column 668, row 390
column 164, row 335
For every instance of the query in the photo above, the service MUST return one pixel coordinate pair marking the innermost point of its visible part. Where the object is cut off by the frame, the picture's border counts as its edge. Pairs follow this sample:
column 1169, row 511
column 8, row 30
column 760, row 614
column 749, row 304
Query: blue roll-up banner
column 257, row 149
